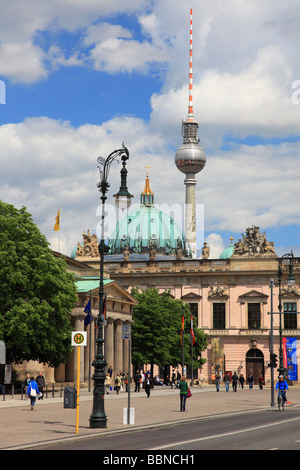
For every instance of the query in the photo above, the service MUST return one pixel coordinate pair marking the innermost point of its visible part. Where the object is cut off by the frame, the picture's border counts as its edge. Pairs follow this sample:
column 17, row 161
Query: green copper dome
column 228, row 252
column 146, row 226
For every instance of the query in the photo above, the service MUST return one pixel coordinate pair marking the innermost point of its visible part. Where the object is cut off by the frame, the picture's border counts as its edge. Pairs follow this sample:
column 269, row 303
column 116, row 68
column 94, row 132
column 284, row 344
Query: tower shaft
column 190, row 213
column 190, row 158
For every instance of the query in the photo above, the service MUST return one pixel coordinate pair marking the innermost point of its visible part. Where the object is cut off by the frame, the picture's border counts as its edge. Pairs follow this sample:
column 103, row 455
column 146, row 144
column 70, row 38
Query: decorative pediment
column 218, row 293
column 191, row 296
column 288, row 292
column 253, row 295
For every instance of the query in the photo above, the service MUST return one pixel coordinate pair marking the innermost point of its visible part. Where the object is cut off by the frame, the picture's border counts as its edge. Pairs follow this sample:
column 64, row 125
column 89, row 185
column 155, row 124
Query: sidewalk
column 49, row 421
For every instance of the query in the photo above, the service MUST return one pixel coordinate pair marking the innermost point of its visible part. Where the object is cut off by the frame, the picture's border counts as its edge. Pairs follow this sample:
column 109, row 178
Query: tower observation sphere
column 190, row 157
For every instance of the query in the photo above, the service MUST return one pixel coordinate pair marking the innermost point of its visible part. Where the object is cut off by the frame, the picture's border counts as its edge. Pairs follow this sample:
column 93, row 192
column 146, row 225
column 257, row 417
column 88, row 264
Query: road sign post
column 78, row 340
column 126, row 334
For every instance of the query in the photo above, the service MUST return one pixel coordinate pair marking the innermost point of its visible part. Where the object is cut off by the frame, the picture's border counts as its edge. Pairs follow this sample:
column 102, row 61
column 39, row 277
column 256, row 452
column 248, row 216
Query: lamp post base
column 98, row 418
column 98, row 423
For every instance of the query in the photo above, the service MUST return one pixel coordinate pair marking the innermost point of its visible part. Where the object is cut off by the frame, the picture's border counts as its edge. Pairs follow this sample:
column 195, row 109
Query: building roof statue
column 254, row 243
column 205, row 251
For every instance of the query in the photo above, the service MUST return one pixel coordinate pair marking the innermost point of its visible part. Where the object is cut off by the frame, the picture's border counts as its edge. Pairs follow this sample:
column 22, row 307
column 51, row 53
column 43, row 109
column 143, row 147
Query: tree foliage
column 156, row 330
column 37, row 293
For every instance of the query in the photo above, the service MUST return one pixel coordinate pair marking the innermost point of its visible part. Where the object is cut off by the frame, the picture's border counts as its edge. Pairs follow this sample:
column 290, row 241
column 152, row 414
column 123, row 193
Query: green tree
column 37, row 293
column 156, row 330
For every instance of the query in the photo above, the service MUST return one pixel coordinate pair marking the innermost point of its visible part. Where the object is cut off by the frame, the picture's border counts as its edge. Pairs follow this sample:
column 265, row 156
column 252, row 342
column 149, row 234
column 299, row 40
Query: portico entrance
column 255, row 364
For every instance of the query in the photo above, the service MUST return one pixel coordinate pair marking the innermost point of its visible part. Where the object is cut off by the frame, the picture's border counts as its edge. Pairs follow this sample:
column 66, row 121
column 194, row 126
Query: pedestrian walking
column 110, row 371
column 201, row 380
column 261, row 382
column 173, row 379
column 107, row 383
column 183, row 386
column 234, row 379
column 148, row 385
column 178, row 378
column 126, row 382
column 26, row 385
column 218, row 378
column 242, row 380
column 137, row 381
column 227, row 381
column 143, row 379
column 40, row 380
column 32, row 392
column 118, row 383
column 250, row 381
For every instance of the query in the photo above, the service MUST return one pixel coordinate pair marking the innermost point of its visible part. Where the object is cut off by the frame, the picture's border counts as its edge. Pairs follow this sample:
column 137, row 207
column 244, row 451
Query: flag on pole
column 104, row 308
column 182, row 328
column 192, row 332
column 88, row 317
column 57, row 220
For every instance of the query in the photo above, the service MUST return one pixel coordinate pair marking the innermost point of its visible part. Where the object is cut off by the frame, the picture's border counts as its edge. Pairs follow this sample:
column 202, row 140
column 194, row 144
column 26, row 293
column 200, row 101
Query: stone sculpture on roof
column 254, row 243
column 89, row 247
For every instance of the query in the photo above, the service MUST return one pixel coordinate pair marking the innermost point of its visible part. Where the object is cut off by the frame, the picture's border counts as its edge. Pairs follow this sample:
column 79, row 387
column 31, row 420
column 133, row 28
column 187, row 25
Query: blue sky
column 82, row 77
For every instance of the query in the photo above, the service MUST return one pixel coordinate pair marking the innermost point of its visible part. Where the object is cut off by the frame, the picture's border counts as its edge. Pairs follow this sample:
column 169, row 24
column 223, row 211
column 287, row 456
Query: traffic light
column 273, row 360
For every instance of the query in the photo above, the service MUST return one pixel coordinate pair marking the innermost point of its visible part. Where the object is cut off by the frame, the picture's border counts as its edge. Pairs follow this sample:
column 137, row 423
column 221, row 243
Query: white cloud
column 252, row 185
column 245, row 61
column 115, row 55
column 215, row 244
column 255, row 101
column 55, row 166
column 22, row 62
column 22, row 58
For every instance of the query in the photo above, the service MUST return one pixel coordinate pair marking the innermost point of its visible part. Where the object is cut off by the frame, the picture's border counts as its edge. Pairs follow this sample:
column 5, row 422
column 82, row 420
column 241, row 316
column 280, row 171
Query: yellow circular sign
column 78, row 338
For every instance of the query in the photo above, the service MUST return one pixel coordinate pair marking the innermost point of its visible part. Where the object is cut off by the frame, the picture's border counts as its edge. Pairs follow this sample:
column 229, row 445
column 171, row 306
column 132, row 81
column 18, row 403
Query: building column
column 118, row 348
column 89, row 351
column 109, row 343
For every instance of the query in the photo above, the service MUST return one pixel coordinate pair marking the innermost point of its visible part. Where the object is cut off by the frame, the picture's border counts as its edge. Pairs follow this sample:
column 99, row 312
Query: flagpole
column 192, row 345
column 56, row 229
column 90, row 345
column 182, row 343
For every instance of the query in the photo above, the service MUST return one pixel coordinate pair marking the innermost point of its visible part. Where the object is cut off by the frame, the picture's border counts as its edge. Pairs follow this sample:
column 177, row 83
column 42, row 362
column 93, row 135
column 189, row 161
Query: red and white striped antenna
column 191, row 107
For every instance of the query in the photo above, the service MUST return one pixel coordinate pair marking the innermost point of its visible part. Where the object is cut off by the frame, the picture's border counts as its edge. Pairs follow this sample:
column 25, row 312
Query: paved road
column 51, row 423
column 263, row 430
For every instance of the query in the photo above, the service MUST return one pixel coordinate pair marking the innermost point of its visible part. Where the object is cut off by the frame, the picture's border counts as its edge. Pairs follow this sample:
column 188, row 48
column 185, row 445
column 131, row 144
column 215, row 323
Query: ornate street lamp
column 272, row 346
column 98, row 417
column 290, row 283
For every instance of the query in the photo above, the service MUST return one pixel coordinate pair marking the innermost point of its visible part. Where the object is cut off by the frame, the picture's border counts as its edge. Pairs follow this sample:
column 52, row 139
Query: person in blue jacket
column 32, row 392
column 282, row 387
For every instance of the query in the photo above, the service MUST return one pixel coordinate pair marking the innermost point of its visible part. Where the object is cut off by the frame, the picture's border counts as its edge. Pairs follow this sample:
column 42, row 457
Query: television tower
column 190, row 158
